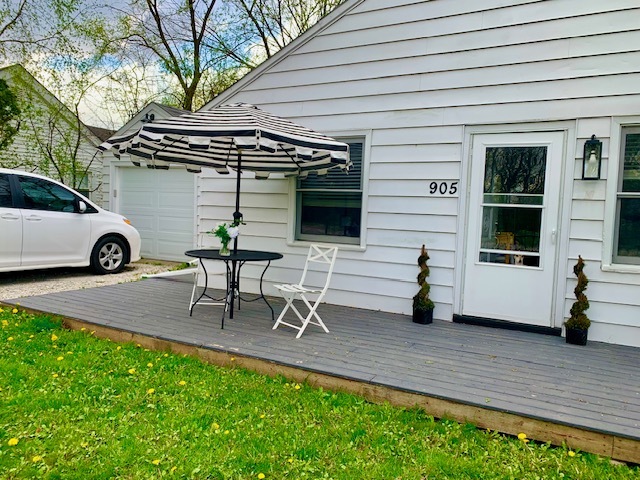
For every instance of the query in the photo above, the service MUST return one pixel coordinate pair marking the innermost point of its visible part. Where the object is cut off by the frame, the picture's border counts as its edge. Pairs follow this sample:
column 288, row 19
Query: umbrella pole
column 237, row 219
column 237, row 216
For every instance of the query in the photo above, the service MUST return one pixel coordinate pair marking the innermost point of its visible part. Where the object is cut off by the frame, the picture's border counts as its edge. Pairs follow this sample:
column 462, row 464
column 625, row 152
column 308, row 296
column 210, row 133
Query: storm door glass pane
column 513, row 199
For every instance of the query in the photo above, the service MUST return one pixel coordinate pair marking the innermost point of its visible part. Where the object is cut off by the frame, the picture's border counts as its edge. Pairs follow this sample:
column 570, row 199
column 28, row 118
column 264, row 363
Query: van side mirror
column 82, row 206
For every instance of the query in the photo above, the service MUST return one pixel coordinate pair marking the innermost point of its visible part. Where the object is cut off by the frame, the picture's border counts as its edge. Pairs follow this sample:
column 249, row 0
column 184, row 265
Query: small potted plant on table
column 225, row 232
column 577, row 326
column 422, row 305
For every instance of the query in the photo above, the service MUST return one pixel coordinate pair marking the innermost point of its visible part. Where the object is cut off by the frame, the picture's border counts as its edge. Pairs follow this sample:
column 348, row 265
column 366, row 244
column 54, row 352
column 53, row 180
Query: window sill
column 341, row 246
column 621, row 268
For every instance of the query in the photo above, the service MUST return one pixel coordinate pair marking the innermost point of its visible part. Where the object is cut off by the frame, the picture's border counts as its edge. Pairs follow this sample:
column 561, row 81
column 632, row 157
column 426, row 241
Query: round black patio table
column 233, row 262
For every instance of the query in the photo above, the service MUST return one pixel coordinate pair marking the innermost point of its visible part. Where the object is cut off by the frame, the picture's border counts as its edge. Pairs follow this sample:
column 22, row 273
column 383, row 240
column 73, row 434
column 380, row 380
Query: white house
column 468, row 122
column 51, row 139
column 160, row 204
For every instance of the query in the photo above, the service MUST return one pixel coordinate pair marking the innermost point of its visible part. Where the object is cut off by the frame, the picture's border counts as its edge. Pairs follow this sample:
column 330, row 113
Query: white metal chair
column 200, row 277
column 321, row 258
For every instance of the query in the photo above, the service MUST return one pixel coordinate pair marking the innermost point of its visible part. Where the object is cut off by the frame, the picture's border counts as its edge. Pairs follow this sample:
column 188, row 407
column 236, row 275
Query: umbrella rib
column 291, row 157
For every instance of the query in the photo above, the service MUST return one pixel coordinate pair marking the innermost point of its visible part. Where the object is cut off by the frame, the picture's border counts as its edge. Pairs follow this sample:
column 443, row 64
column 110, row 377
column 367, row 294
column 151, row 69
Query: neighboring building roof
column 149, row 112
column 101, row 133
column 46, row 96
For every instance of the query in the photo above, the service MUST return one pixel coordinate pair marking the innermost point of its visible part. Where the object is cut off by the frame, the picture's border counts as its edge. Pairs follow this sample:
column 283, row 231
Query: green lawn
column 75, row 406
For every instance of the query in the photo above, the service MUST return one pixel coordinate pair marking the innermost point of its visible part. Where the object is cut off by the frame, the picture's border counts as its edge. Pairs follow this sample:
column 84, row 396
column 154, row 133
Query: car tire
column 109, row 255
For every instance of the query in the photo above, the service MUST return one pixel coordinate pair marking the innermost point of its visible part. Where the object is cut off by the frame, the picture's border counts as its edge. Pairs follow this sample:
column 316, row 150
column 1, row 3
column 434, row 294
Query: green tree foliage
column 205, row 46
column 52, row 139
column 251, row 31
column 9, row 115
column 31, row 29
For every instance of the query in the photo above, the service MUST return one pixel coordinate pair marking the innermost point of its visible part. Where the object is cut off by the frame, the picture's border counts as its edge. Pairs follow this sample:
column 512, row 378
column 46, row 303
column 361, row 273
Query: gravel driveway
column 39, row 282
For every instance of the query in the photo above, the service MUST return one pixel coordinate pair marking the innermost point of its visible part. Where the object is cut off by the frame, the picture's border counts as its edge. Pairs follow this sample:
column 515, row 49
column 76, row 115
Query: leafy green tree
column 52, row 139
column 207, row 45
column 255, row 30
column 9, row 115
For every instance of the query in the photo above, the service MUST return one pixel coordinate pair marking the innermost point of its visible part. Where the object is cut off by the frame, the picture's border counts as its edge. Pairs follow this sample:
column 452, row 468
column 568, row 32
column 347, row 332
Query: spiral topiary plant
column 578, row 319
column 422, row 304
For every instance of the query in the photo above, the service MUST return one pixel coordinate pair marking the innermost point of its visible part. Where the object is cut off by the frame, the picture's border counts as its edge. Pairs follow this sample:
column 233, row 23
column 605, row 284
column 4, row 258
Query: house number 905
column 443, row 188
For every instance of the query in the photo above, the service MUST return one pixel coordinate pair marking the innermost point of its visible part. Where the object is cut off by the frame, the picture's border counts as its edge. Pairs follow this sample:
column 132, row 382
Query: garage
column 160, row 204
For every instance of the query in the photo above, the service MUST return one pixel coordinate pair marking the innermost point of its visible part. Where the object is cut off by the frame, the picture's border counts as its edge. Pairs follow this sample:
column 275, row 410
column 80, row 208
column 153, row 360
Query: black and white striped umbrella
column 239, row 136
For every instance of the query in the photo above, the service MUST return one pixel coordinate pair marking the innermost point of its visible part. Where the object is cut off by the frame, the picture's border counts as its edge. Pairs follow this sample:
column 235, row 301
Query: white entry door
column 511, row 239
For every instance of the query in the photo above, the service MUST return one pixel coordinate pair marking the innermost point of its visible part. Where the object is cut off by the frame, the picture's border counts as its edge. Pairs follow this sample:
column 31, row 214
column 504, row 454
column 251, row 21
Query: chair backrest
column 320, row 255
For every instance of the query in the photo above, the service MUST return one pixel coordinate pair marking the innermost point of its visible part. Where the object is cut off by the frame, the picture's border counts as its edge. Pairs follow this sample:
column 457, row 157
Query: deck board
column 594, row 388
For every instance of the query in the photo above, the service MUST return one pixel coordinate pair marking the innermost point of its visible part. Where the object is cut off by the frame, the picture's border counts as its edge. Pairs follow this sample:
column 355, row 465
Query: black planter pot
column 577, row 336
column 423, row 317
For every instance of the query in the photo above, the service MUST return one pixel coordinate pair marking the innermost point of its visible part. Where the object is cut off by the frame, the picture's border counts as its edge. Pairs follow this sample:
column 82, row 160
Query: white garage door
column 160, row 204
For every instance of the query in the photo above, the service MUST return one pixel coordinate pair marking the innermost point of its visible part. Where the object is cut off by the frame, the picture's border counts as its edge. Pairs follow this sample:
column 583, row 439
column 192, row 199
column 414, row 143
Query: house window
column 329, row 207
column 627, row 233
column 83, row 187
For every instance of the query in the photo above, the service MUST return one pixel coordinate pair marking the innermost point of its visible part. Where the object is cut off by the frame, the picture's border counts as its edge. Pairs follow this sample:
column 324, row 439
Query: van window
column 5, row 191
column 40, row 194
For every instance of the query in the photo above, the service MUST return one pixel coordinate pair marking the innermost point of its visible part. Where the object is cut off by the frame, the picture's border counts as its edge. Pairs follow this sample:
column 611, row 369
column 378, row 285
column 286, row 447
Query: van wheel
column 109, row 255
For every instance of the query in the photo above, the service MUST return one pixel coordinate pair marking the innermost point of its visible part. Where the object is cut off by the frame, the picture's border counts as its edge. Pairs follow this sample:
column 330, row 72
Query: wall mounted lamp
column 592, row 159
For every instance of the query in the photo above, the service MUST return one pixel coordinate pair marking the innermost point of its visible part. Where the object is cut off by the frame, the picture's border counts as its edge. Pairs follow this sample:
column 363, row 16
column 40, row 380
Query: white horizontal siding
column 364, row 78
column 415, row 75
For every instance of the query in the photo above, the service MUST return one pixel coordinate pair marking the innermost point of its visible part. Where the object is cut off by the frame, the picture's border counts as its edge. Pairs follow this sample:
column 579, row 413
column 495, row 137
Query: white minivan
column 45, row 224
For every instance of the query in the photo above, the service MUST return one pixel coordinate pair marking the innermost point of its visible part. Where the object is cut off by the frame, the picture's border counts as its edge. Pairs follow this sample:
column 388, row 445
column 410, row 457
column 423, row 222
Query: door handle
column 33, row 218
column 9, row 216
column 553, row 236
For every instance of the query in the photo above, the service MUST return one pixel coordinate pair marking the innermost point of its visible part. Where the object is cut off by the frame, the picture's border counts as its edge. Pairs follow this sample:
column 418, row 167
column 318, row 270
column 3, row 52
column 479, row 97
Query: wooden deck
column 586, row 397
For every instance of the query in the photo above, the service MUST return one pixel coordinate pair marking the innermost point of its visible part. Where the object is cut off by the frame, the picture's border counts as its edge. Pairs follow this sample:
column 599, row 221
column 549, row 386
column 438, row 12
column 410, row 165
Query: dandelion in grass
column 150, row 365
column 151, row 391
column 15, row 310
column 36, row 459
column 118, row 347
column 60, row 358
column 182, row 383
column 54, row 337
column 261, row 476
column 571, row 453
column 523, row 437
column 4, row 322
column 173, row 469
column 297, row 387
column 55, row 375
column 132, row 371
column 156, row 461
column 82, row 329
column 13, row 442
column 10, row 339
